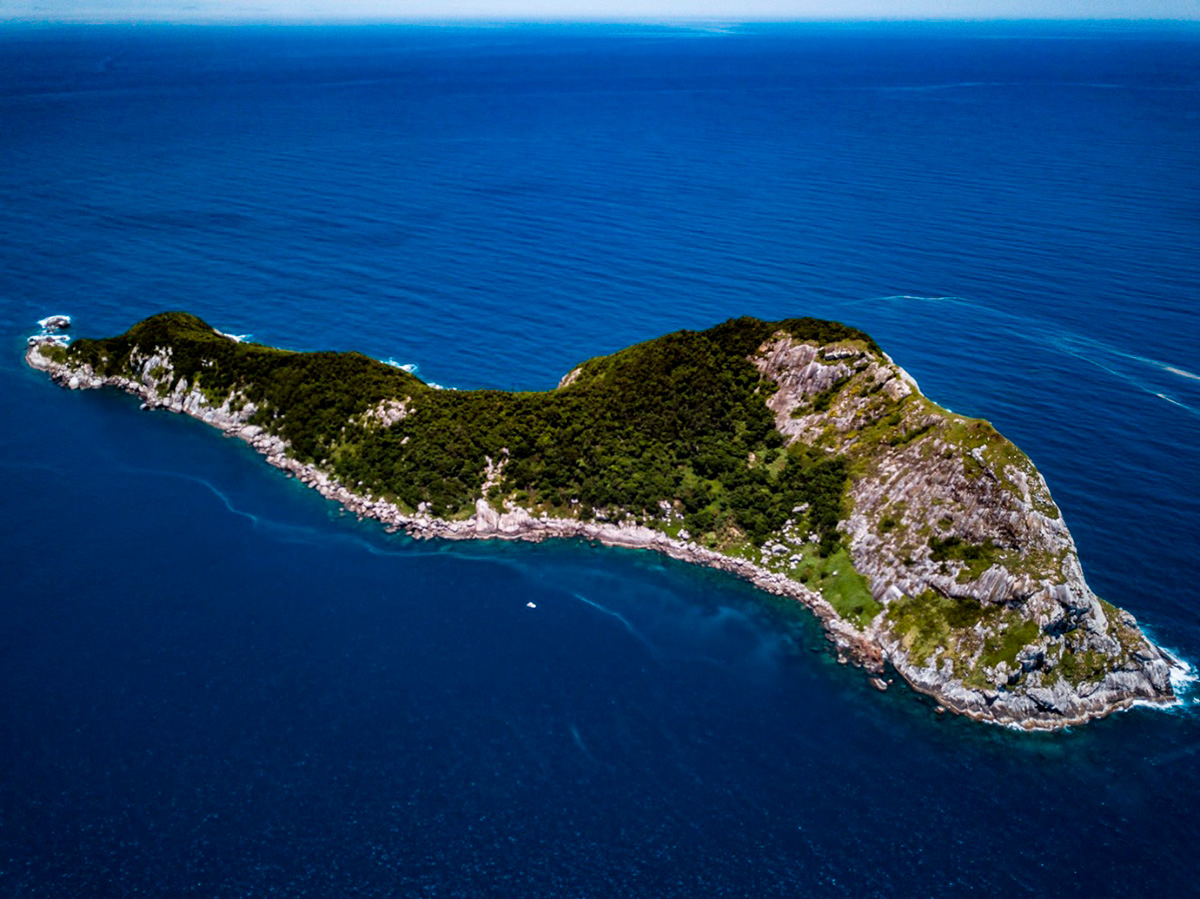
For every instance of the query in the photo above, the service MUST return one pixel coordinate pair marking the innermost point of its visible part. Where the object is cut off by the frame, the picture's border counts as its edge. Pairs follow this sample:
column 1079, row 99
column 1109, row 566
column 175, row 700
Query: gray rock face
column 55, row 322
column 984, row 601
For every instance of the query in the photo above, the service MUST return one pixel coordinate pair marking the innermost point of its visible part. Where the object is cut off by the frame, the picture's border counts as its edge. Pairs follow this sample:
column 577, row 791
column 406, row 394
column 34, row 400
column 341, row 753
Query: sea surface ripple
column 213, row 683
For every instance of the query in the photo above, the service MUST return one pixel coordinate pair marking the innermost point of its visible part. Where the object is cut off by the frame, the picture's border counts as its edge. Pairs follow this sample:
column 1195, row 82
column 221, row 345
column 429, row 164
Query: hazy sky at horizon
column 735, row 10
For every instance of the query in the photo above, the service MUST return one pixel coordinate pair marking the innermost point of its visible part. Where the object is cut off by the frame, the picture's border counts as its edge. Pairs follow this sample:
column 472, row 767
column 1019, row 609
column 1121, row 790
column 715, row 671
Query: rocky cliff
column 982, row 599
column 950, row 560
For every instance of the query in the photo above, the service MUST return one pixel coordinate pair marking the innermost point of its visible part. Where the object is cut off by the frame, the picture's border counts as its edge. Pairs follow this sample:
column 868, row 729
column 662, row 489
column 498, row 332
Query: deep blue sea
column 212, row 683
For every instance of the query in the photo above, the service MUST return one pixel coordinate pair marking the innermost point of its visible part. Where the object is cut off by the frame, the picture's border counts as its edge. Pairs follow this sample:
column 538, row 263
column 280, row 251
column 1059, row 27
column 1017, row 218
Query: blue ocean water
column 212, row 683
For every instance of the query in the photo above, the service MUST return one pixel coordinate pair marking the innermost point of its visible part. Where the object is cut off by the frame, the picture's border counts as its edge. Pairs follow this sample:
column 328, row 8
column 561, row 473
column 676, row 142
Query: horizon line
column 577, row 19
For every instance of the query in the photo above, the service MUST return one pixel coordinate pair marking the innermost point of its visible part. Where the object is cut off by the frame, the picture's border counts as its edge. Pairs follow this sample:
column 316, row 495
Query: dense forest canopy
column 674, row 427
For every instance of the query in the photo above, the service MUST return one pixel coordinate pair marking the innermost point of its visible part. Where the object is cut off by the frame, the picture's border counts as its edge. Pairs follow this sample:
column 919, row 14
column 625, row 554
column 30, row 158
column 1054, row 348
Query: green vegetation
column 934, row 621
column 1004, row 645
column 673, row 433
column 978, row 557
column 304, row 397
column 1080, row 667
column 1127, row 635
column 910, row 435
column 823, row 400
column 53, row 351
column 847, row 590
column 677, row 420
column 931, row 620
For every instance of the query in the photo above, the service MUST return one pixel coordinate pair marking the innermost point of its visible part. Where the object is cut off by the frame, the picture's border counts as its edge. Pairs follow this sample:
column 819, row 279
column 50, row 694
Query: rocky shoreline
column 485, row 524
column 869, row 648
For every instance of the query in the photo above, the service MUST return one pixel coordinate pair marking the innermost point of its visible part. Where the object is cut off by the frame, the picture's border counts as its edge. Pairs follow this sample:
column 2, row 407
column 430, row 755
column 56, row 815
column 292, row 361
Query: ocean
column 214, row 683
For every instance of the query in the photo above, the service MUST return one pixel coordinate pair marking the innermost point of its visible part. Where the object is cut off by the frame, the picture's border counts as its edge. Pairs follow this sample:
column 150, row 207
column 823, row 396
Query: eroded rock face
column 386, row 413
column 984, row 604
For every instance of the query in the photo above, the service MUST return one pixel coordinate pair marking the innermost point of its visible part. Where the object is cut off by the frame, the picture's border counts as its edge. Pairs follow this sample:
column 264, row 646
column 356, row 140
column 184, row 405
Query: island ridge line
column 795, row 454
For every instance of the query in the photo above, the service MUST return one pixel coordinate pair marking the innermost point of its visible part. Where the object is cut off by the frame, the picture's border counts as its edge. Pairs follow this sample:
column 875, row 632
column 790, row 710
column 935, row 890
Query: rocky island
column 795, row 454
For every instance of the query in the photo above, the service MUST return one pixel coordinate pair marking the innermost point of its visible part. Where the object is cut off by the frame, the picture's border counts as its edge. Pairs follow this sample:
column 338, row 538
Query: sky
column 624, row 10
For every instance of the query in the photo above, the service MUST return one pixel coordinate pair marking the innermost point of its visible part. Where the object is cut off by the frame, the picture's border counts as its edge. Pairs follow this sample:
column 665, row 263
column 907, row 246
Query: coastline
column 871, row 648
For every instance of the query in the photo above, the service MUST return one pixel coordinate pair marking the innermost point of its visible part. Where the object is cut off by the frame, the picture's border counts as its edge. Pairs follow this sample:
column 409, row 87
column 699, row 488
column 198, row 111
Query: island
column 795, row 454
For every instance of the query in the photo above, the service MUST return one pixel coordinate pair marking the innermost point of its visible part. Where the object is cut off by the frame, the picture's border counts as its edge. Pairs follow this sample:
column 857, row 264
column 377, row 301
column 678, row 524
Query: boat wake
column 621, row 618
column 1154, row 376
column 1167, row 381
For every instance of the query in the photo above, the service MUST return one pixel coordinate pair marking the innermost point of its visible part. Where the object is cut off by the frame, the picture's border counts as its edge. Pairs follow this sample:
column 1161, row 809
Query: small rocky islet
column 795, row 454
